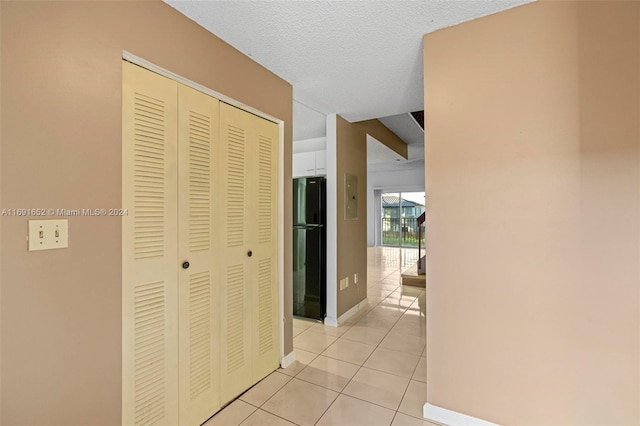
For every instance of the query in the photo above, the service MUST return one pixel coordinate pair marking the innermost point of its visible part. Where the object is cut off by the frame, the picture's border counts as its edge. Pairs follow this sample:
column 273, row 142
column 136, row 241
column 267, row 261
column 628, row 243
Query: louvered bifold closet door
column 265, row 349
column 236, row 230
column 149, row 249
column 249, row 303
column 198, row 295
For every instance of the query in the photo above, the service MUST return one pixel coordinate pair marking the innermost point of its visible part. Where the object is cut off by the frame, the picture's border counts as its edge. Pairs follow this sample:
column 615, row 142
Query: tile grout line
column 410, row 379
column 368, row 357
column 366, row 311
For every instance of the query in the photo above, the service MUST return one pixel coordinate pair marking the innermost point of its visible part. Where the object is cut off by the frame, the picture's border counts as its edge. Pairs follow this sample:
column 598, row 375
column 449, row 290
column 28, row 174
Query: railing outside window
column 393, row 228
column 400, row 214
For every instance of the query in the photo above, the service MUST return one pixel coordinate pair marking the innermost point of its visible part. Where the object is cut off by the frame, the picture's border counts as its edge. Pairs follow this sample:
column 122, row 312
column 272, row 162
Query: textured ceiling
column 359, row 59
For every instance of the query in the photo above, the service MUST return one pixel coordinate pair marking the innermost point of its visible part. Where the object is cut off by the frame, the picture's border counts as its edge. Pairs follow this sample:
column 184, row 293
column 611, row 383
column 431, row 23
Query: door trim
column 130, row 57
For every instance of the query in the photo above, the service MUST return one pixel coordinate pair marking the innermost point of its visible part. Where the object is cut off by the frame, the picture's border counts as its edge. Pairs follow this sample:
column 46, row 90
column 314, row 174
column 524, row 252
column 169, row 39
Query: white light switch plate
column 48, row 234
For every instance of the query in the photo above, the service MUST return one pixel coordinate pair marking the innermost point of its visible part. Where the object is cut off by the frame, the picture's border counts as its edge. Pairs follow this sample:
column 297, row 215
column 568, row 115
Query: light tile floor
column 368, row 371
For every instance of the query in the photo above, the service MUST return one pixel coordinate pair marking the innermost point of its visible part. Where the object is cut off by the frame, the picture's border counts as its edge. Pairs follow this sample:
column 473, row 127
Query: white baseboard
column 351, row 312
column 287, row 360
column 451, row 418
column 334, row 322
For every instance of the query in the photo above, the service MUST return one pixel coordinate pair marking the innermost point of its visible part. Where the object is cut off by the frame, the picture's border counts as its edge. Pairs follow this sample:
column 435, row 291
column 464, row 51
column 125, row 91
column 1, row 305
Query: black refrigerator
column 309, row 248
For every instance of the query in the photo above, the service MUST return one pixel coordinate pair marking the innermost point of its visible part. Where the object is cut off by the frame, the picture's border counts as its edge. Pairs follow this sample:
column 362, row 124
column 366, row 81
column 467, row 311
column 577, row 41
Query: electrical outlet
column 344, row 283
column 355, row 278
column 48, row 234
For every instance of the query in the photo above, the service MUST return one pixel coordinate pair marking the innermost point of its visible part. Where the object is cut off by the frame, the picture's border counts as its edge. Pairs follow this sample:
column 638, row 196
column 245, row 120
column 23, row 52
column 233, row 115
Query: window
column 400, row 212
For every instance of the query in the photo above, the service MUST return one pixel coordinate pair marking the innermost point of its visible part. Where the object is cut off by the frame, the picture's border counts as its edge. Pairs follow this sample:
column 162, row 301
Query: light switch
column 48, row 234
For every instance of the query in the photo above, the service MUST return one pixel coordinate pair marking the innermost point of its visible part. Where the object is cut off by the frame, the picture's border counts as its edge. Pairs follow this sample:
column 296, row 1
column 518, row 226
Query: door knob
column 249, row 253
column 185, row 265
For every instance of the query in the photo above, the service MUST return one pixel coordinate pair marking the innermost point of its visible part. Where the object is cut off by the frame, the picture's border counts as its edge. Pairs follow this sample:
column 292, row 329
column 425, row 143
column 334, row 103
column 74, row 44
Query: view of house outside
column 400, row 212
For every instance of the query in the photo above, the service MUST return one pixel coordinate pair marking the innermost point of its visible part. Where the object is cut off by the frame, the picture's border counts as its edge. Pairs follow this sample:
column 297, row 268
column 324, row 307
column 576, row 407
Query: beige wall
column 351, row 157
column 384, row 135
column 532, row 175
column 61, row 148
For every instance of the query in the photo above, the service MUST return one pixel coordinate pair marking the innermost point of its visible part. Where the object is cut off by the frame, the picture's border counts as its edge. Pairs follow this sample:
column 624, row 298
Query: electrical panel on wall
column 350, row 196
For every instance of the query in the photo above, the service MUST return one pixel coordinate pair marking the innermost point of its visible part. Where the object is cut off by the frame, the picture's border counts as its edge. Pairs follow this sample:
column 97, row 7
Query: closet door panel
column 235, row 234
column 199, row 257
column 197, row 291
column 265, row 349
column 149, row 249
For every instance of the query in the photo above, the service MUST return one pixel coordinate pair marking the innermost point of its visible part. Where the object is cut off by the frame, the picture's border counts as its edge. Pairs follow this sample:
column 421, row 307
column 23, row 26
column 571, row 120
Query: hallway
column 368, row 371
